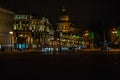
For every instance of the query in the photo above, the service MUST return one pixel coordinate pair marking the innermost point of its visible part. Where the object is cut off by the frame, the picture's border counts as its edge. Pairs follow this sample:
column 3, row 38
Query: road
column 85, row 65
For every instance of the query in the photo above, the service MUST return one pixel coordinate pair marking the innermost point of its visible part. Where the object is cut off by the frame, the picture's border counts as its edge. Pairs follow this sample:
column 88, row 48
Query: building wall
column 6, row 25
column 34, row 32
column 65, row 26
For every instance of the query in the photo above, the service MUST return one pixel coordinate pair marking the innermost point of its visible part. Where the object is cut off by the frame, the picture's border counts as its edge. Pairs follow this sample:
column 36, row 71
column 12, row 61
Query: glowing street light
column 114, row 32
column 114, row 35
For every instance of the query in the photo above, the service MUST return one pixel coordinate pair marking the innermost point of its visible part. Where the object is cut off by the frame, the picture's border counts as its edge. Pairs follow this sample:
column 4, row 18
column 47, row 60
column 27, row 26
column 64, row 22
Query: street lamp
column 114, row 36
column 11, row 33
column 114, row 32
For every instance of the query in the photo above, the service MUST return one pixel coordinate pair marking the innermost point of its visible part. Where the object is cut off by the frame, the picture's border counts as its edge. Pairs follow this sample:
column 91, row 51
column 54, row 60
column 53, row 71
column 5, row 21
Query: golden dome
column 64, row 16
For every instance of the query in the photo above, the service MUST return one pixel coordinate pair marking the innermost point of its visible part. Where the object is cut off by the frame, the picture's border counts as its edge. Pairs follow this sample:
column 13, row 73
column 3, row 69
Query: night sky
column 82, row 11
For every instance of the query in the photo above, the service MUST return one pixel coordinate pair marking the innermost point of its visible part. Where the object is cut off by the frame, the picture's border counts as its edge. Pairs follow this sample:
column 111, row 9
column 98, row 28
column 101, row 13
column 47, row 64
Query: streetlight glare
column 11, row 32
column 115, row 31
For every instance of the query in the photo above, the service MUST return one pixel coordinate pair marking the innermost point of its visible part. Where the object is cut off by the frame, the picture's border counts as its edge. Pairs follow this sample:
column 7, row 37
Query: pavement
column 77, row 51
column 88, row 65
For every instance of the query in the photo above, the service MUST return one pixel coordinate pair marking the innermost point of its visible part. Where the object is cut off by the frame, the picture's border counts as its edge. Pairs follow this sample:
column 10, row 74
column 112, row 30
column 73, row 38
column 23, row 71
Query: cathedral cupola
column 64, row 16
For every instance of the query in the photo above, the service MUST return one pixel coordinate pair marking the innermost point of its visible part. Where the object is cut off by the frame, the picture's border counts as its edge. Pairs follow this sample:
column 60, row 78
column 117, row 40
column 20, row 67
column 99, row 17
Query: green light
column 91, row 34
column 118, row 32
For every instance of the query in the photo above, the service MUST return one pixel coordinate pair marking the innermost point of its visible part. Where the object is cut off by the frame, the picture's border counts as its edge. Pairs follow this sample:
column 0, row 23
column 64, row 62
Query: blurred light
column 11, row 32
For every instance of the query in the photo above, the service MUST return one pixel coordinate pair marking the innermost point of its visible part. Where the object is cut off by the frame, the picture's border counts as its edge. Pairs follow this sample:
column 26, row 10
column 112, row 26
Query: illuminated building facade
column 88, row 39
column 6, row 25
column 66, row 29
column 30, row 32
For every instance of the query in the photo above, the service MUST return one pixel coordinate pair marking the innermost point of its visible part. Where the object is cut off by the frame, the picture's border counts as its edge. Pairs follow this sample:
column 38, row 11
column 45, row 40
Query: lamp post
column 114, row 34
column 11, row 33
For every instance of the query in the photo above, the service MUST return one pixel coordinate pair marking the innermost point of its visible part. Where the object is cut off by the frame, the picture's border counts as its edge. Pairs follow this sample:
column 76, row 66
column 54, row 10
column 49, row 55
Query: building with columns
column 6, row 25
column 30, row 32
column 66, row 29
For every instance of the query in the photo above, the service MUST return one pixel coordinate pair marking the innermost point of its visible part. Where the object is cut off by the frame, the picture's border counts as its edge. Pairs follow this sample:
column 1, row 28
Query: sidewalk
column 39, row 51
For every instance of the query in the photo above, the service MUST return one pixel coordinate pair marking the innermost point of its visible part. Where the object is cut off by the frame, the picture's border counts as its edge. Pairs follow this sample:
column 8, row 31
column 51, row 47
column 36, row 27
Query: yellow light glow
column 11, row 32
column 21, row 35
